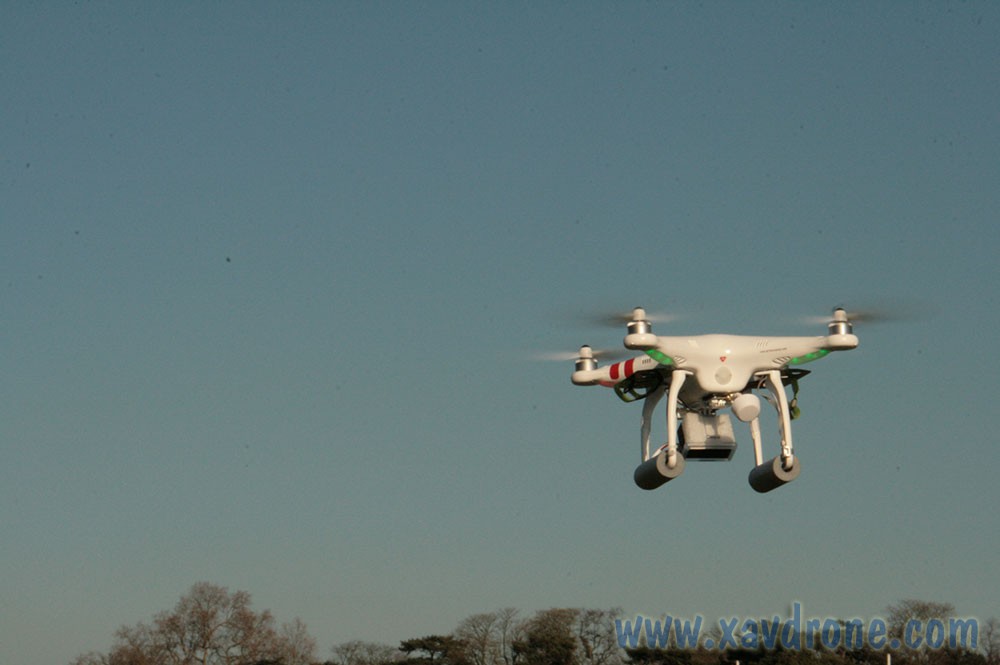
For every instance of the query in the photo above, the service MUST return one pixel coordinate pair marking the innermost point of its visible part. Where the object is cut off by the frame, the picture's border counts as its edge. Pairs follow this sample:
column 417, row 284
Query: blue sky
column 274, row 274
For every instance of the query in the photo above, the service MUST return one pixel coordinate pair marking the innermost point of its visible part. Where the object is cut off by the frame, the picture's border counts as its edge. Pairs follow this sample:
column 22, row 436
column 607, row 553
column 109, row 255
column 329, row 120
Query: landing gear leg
column 784, row 468
column 676, row 381
column 648, row 406
column 773, row 382
column 667, row 463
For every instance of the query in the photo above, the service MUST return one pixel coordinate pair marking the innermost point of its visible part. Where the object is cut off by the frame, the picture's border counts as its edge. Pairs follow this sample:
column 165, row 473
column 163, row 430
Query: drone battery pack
column 708, row 437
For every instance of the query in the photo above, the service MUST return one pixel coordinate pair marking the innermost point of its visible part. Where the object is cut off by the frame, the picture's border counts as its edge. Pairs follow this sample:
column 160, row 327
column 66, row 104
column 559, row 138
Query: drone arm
column 841, row 342
column 613, row 374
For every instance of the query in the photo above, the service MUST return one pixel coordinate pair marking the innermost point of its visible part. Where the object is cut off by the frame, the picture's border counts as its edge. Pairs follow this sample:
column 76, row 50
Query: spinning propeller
column 894, row 312
column 596, row 354
column 615, row 319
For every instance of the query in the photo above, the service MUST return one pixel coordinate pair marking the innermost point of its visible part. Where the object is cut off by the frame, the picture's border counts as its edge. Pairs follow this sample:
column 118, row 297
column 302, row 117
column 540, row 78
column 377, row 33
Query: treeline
column 212, row 626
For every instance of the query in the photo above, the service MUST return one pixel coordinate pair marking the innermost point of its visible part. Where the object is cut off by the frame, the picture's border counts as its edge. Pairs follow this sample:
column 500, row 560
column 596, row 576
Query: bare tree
column 295, row 645
column 137, row 645
column 598, row 642
column 211, row 626
column 489, row 638
column 990, row 641
column 208, row 626
column 922, row 610
column 557, row 636
column 479, row 633
column 509, row 630
column 357, row 652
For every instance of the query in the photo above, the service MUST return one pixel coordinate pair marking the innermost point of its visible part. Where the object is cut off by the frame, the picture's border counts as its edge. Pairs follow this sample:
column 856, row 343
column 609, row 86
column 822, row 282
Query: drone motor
column 586, row 362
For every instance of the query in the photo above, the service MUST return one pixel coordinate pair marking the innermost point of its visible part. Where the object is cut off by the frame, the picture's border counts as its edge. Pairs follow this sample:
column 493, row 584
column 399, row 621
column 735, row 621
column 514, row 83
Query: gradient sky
column 273, row 276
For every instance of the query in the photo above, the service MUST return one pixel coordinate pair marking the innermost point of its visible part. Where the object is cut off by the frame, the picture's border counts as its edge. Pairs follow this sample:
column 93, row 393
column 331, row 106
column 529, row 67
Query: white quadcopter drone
column 701, row 376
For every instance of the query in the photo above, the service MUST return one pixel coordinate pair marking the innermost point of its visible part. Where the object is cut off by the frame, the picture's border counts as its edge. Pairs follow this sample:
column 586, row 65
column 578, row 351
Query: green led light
column 660, row 357
column 809, row 357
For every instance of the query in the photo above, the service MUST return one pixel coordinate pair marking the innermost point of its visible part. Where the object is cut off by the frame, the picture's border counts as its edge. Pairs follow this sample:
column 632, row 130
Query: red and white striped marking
column 622, row 370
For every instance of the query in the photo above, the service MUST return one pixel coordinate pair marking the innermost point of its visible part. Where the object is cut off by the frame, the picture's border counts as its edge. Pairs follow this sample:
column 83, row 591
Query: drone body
column 703, row 375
